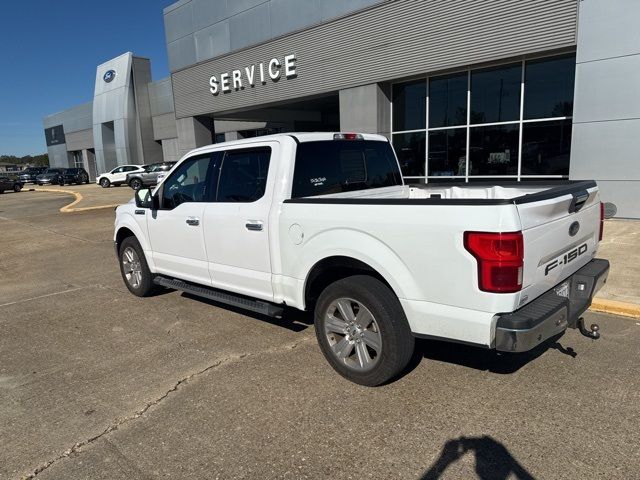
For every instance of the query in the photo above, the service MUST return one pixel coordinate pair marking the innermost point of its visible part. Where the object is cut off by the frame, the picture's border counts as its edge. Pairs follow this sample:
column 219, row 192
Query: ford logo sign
column 573, row 228
column 109, row 75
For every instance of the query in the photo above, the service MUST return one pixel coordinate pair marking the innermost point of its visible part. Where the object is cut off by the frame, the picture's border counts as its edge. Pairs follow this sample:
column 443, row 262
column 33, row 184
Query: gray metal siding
column 74, row 119
column 197, row 30
column 161, row 97
column 164, row 126
column 79, row 140
column 606, row 115
column 387, row 42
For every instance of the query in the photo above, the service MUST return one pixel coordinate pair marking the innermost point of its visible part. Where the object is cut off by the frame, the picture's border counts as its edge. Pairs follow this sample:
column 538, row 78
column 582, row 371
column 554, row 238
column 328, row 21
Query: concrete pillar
column 89, row 161
column 194, row 132
column 366, row 109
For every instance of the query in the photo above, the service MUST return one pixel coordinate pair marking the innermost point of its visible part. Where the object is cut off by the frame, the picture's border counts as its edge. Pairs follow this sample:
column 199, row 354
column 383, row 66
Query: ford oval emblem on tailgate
column 573, row 228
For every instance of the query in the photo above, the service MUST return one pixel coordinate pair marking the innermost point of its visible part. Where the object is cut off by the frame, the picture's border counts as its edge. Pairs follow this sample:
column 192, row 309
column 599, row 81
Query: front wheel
column 17, row 188
column 134, row 268
column 104, row 182
column 136, row 184
column 362, row 330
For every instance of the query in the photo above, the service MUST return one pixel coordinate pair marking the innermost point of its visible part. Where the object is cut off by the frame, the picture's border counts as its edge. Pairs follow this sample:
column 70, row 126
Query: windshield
column 53, row 170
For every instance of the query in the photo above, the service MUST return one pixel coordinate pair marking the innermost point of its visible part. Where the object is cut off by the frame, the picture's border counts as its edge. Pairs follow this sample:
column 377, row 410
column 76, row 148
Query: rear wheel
column 136, row 184
column 104, row 182
column 134, row 268
column 362, row 330
column 17, row 187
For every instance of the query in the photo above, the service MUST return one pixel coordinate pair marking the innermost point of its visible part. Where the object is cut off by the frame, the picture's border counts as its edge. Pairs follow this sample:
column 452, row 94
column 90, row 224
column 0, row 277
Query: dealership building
column 467, row 91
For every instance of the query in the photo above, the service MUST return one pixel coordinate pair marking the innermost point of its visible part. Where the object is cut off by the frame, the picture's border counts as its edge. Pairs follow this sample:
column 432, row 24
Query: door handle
column 193, row 221
column 254, row 225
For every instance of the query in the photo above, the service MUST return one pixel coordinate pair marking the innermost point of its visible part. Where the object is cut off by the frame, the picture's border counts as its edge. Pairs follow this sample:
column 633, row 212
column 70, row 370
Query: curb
column 78, row 198
column 615, row 307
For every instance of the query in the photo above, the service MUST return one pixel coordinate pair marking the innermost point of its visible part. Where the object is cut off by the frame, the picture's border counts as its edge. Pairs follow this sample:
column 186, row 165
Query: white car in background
column 118, row 175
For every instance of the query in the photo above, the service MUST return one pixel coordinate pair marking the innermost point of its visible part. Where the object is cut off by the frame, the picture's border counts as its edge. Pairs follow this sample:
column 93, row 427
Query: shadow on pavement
column 480, row 358
column 292, row 319
column 493, row 460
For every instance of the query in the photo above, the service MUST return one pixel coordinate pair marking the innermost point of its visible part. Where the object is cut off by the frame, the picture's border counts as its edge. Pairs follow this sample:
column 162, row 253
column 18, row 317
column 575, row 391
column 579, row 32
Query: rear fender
column 360, row 246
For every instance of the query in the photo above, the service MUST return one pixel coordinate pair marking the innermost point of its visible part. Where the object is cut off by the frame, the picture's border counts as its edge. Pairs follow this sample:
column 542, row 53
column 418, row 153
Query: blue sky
column 49, row 51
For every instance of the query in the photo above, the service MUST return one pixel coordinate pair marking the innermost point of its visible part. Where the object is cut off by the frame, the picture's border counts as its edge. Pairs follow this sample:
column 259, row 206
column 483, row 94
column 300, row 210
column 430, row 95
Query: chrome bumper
column 551, row 314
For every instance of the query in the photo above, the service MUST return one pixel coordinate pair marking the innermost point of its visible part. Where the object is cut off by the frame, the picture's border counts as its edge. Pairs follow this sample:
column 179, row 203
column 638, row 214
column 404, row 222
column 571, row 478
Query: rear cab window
column 335, row 166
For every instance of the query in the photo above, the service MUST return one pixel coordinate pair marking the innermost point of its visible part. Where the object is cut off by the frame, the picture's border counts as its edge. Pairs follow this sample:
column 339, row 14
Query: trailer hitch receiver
column 593, row 332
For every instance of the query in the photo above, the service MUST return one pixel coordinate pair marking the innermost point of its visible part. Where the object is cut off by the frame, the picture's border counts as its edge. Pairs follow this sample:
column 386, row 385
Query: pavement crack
column 77, row 447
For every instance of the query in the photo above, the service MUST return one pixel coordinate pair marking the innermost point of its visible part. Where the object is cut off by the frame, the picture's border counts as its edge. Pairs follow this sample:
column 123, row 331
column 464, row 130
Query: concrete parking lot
column 97, row 383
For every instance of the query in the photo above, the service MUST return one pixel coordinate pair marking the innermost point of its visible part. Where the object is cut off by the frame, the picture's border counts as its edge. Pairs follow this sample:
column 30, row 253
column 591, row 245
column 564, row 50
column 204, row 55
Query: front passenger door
column 176, row 228
column 237, row 223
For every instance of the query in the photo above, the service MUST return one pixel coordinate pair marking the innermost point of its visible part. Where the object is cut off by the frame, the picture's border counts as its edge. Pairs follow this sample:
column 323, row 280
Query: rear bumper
column 550, row 313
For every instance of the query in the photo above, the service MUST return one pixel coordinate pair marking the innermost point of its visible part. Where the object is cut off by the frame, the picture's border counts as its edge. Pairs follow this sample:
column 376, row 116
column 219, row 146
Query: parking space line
column 42, row 296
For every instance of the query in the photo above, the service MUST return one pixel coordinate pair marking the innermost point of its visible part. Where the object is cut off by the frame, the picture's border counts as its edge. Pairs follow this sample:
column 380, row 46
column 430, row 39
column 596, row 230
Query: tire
column 17, row 188
column 1, row 192
column 134, row 268
column 349, row 348
column 104, row 182
column 136, row 184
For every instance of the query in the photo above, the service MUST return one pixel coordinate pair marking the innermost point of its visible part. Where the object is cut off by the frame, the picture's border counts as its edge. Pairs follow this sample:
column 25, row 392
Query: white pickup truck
column 324, row 222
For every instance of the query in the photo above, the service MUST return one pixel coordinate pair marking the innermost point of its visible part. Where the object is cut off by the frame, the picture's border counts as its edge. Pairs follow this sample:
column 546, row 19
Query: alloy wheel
column 353, row 334
column 132, row 267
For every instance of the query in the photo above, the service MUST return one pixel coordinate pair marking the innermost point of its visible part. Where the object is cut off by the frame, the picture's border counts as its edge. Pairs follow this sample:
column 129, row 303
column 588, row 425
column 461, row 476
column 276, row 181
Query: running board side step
column 258, row 306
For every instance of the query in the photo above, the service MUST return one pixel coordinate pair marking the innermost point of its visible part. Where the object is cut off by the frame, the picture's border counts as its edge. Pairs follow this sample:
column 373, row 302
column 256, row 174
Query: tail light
column 500, row 260
column 601, row 221
column 348, row 136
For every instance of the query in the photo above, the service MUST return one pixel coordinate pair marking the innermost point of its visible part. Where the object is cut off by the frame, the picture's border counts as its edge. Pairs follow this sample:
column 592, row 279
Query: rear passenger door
column 236, row 224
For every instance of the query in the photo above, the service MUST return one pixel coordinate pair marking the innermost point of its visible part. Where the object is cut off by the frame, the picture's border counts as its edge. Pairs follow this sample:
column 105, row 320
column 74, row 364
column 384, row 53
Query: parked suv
column 150, row 176
column 52, row 176
column 7, row 183
column 117, row 176
column 28, row 175
column 75, row 175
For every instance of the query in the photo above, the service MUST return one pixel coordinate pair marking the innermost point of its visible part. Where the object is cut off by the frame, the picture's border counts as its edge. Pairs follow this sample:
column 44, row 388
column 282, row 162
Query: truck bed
column 461, row 194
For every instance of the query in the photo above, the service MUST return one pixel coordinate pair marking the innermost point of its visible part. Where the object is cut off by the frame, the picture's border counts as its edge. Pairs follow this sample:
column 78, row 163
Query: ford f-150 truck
column 324, row 222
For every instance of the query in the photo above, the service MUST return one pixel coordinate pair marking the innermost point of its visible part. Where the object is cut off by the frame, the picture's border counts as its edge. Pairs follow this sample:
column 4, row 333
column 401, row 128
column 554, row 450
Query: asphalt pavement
column 96, row 383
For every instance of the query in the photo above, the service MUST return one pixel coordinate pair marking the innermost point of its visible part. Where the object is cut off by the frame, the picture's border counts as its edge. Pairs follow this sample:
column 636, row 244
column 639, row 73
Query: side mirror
column 610, row 210
column 145, row 199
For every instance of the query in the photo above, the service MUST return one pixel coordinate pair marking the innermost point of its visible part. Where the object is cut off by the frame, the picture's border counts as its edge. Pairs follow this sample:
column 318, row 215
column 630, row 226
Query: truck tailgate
column 561, row 235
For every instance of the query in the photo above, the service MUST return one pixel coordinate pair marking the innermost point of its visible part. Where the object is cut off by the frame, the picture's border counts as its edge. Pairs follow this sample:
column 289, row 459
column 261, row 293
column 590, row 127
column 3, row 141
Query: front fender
column 126, row 220
column 361, row 246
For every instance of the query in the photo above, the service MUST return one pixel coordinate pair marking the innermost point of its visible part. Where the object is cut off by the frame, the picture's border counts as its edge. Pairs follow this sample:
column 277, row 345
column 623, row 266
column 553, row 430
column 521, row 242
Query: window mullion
column 468, row 148
column 520, row 124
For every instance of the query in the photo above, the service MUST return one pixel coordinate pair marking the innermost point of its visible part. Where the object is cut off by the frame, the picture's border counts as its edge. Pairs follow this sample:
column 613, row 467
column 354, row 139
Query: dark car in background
column 29, row 174
column 51, row 176
column 7, row 183
column 149, row 177
column 75, row 175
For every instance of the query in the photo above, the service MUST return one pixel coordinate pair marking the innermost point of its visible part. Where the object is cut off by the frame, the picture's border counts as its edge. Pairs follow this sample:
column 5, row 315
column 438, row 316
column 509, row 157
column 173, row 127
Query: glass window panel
column 191, row 182
column 448, row 180
column 447, row 152
column 493, row 150
column 448, row 101
column 495, row 94
column 243, row 175
column 410, row 149
column 342, row 166
column 546, row 147
column 548, row 87
column 409, row 102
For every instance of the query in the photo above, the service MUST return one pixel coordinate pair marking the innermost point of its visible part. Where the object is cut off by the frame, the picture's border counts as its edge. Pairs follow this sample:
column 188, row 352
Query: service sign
column 258, row 73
